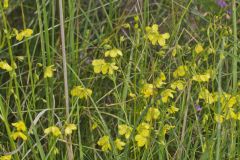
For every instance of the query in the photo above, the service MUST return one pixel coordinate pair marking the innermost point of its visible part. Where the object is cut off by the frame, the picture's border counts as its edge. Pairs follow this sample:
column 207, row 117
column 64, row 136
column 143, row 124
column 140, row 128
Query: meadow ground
column 119, row 79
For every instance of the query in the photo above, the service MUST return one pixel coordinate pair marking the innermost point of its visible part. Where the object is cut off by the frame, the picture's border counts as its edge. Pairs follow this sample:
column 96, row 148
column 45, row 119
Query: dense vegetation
column 119, row 79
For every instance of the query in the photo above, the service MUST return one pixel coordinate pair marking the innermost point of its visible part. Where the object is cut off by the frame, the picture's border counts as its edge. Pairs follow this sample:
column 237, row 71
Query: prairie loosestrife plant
column 146, row 79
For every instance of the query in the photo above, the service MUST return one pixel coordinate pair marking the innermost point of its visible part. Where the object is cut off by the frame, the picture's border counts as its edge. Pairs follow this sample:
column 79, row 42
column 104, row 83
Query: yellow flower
column 198, row 48
column 172, row 109
column 20, row 126
column 231, row 115
column 147, row 90
column 132, row 95
column 153, row 35
column 218, row 118
column 69, row 128
column 16, row 135
column 113, row 53
column 180, row 71
column 206, row 96
column 119, row 144
column 201, row 77
column 141, row 140
column 126, row 25
column 25, row 33
column 124, row 130
column 104, row 143
column 160, row 80
column 98, row 64
column 6, row 157
column 5, row 5
column 178, row 85
column 162, row 39
column 94, row 126
column 81, row 92
column 152, row 114
column 48, row 72
column 166, row 128
column 55, row 131
column 143, row 135
column 5, row 66
column 166, row 94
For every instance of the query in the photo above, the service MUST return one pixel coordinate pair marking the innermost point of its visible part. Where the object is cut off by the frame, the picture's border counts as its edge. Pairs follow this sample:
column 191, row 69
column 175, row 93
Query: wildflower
column 152, row 114
column 231, row 115
column 55, row 131
column 143, row 135
column 160, row 80
column 206, row 96
column 219, row 118
column 132, row 95
column 104, row 143
column 48, row 72
column 69, row 128
column 94, row 126
column 172, row 109
column 25, row 33
column 154, row 36
column 119, row 144
column 18, row 134
column 166, row 128
column 126, row 25
column 178, row 85
column 113, row 53
column 5, row 66
column 166, row 94
column 201, row 77
column 5, row 5
column 147, row 90
column 180, row 71
column 98, row 64
column 198, row 108
column 81, row 92
column 124, row 130
column 6, row 157
column 20, row 126
column 198, row 48
column 221, row 3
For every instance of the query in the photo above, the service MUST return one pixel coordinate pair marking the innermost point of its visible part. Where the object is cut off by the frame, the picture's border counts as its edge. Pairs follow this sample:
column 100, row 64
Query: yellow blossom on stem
column 54, row 130
column 81, row 92
column 5, row 66
column 180, row 71
column 119, row 144
column 178, row 85
column 104, row 143
column 48, row 72
column 6, row 157
column 99, row 65
column 160, row 80
column 218, row 118
column 25, row 33
column 147, row 90
column 152, row 114
column 206, row 96
column 166, row 128
column 125, row 130
column 166, row 94
column 172, row 109
column 201, row 77
column 143, row 134
column 113, row 53
column 20, row 126
column 198, row 48
column 18, row 134
column 69, row 128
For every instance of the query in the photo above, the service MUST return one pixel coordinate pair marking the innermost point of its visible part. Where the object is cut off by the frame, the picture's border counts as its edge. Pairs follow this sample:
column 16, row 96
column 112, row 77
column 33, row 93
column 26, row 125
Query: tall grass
column 200, row 119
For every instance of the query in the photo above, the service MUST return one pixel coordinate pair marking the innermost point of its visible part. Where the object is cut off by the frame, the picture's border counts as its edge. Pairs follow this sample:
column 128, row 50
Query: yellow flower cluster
column 147, row 90
column 25, row 33
column 5, row 66
column 178, row 85
column 201, row 77
column 104, row 143
column 81, row 92
column 48, row 72
column 152, row 114
column 143, row 134
column 160, row 81
column 124, row 130
column 166, row 94
column 21, row 128
column 155, row 37
column 56, row 132
column 99, row 65
column 6, row 157
column 180, row 71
